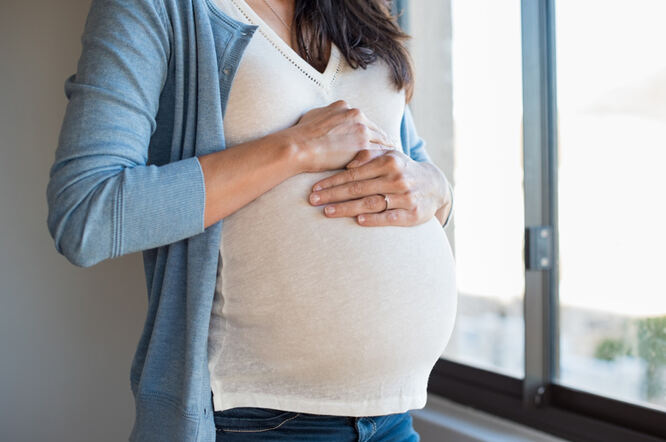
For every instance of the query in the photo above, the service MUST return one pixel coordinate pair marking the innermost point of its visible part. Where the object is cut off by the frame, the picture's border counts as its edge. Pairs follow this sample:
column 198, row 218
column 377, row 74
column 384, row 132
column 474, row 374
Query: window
column 611, row 182
column 488, row 176
column 558, row 170
column 477, row 80
column 455, row 97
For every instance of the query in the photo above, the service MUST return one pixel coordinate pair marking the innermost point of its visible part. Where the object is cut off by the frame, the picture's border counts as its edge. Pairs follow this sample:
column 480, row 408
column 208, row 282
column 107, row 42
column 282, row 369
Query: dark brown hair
column 363, row 30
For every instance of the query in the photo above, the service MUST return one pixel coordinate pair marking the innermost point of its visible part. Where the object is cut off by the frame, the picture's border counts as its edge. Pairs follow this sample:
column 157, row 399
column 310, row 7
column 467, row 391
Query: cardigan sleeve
column 411, row 139
column 103, row 199
column 416, row 147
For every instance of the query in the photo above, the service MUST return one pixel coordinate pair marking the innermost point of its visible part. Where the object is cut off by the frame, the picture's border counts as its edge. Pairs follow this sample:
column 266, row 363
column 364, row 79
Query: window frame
column 537, row 400
column 561, row 411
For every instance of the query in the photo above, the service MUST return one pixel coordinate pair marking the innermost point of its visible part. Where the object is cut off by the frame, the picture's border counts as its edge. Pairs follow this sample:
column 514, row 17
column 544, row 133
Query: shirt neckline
column 323, row 79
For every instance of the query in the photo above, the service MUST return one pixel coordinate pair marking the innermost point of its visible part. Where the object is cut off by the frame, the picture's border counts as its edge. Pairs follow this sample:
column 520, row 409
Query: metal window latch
column 539, row 248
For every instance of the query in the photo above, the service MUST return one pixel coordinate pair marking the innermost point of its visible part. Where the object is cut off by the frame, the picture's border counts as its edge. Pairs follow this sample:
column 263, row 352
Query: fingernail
column 330, row 210
column 314, row 198
column 317, row 187
column 361, row 218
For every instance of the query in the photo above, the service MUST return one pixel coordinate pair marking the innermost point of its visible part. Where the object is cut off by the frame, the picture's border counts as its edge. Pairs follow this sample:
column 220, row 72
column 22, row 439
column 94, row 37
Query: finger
column 368, row 204
column 361, row 157
column 386, row 140
column 351, row 190
column 405, row 201
column 379, row 137
column 408, row 200
column 355, row 141
column 376, row 135
column 356, row 116
column 391, row 217
column 373, row 204
column 377, row 164
column 366, row 155
column 368, row 171
column 339, row 104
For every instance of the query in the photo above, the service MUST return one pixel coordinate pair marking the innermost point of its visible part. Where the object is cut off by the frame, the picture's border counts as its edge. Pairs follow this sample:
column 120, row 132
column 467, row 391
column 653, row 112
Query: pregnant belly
column 311, row 296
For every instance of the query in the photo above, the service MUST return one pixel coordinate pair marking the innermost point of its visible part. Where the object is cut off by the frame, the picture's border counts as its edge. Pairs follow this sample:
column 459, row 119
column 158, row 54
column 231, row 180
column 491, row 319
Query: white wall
column 67, row 334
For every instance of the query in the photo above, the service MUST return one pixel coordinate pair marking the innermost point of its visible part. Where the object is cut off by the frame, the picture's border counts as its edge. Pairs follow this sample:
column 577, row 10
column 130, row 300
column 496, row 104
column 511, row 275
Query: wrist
column 290, row 151
column 294, row 151
column 441, row 192
column 441, row 214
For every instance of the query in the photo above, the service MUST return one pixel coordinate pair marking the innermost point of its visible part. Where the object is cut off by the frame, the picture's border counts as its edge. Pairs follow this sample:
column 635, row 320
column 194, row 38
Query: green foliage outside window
column 649, row 345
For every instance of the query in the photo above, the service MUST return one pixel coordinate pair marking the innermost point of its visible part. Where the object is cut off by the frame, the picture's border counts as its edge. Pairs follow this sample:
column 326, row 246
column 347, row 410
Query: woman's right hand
column 329, row 137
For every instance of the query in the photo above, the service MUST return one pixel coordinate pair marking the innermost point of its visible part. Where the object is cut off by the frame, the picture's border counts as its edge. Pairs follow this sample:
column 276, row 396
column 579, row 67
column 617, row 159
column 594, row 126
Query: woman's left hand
column 416, row 190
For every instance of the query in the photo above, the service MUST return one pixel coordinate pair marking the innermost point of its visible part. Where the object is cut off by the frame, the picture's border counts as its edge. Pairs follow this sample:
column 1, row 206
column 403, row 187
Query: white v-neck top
column 314, row 314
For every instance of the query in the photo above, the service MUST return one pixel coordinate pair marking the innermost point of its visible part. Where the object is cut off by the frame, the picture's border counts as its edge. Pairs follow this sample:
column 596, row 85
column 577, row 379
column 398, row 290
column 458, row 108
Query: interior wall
column 67, row 334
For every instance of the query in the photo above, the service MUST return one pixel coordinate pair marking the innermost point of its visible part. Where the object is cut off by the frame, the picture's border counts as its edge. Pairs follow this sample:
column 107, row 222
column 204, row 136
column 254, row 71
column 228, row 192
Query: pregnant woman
column 297, row 270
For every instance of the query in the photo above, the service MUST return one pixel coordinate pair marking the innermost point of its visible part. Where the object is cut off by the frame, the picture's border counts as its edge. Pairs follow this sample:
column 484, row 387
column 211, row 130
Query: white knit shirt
column 314, row 314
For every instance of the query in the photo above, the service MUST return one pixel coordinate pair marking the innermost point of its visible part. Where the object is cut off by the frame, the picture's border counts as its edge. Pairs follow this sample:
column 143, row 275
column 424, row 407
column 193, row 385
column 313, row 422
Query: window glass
column 611, row 74
column 469, row 109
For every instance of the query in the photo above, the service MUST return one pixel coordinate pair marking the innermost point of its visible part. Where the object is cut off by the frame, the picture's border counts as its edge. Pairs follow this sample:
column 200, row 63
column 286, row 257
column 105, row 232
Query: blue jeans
column 269, row 424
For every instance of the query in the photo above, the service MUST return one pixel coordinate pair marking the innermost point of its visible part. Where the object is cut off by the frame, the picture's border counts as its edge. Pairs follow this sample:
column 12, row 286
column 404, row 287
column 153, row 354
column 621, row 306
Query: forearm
column 237, row 175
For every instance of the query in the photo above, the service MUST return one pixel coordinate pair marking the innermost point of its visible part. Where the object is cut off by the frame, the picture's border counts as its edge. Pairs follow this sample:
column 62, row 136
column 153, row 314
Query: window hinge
column 539, row 248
